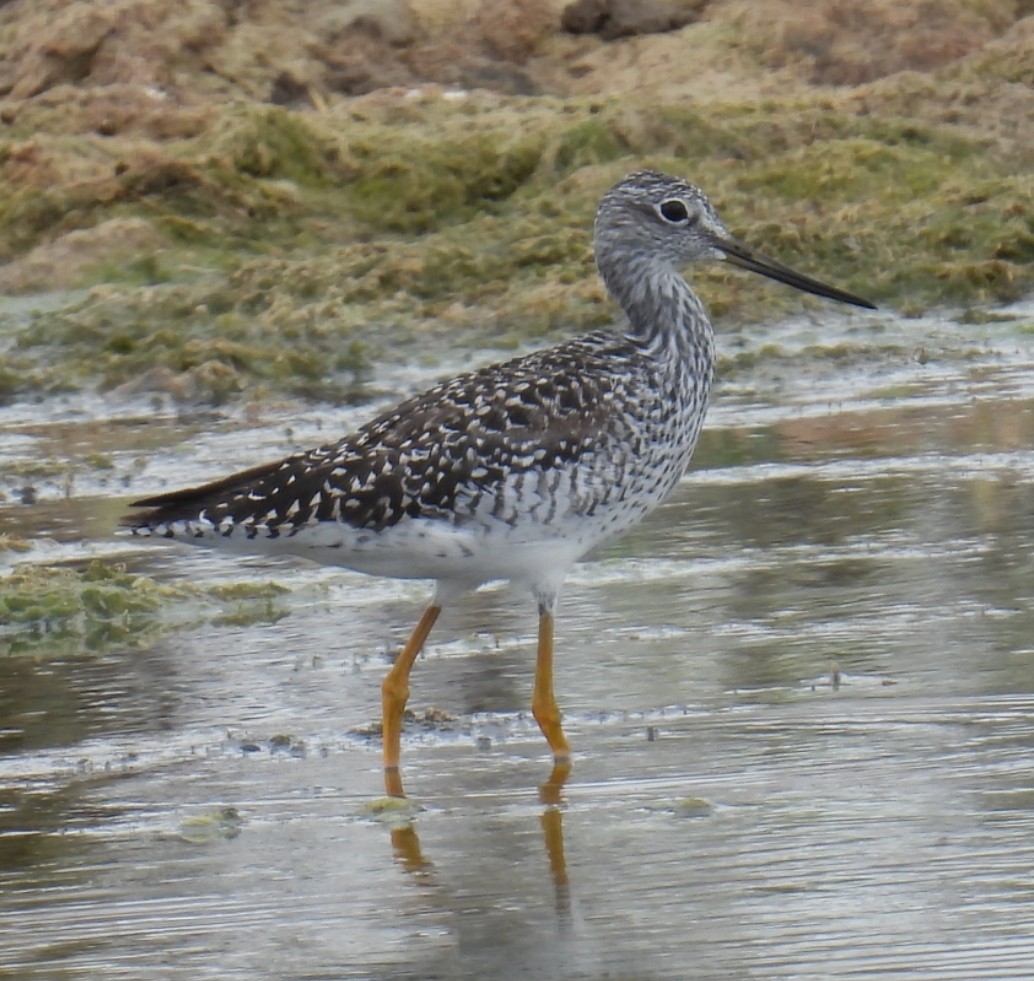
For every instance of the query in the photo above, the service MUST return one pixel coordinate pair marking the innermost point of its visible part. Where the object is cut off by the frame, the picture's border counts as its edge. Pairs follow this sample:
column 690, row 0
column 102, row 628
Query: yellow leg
column 393, row 782
column 394, row 694
column 543, row 702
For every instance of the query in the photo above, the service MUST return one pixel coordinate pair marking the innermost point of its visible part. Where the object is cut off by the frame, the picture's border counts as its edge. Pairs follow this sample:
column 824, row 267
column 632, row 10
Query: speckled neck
column 664, row 315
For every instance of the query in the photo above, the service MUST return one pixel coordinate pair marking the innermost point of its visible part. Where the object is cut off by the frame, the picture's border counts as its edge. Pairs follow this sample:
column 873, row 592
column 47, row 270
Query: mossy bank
column 242, row 248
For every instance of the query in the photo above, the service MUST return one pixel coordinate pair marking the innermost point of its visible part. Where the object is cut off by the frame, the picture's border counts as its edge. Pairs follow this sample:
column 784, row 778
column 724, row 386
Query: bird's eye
column 674, row 211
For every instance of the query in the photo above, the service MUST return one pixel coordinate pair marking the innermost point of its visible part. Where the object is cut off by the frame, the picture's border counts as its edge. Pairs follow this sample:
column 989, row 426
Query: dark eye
column 674, row 211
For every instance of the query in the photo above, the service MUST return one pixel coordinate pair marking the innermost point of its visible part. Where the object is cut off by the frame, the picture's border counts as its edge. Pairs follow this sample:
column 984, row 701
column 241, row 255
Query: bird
column 512, row 471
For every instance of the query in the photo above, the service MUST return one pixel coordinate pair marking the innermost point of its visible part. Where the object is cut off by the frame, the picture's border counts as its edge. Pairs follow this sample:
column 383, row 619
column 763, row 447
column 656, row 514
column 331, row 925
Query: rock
column 390, row 21
column 287, row 90
column 613, row 19
column 360, row 44
column 358, row 68
column 585, row 16
column 511, row 30
column 64, row 54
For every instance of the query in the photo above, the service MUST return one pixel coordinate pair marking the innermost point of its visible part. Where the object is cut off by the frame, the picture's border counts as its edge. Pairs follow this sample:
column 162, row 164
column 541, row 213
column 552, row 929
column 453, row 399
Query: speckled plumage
column 557, row 448
column 516, row 470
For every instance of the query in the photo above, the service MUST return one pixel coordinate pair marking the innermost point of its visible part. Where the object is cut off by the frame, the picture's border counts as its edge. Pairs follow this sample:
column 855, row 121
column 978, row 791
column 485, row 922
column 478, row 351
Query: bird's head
column 649, row 216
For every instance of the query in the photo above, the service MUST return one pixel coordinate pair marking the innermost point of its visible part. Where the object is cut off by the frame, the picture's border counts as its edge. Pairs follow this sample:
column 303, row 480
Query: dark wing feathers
column 246, row 492
column 188, row 497
column 533, row 413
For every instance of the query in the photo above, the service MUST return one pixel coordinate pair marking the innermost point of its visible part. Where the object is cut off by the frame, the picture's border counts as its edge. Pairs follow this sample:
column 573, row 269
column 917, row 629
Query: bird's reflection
column 405, row 844
column 408, row 854
column 552, row 821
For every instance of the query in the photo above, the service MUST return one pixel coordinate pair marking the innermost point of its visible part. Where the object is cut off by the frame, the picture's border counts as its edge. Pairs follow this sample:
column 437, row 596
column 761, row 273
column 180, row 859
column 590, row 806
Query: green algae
column 54, row 610
column 43, row 606
column 425, row 184
column 394, row 812
column 112, row 339
column 243, row 591
column 245, row 603
column 302, row 247
column 212, row 826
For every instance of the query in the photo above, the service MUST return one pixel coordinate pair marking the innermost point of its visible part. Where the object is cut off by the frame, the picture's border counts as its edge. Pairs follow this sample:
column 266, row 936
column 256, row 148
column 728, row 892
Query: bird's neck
column 664, row 315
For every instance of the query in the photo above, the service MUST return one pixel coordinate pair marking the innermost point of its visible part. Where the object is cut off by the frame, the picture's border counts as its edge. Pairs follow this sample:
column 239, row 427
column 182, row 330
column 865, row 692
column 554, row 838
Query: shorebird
column 516, row 470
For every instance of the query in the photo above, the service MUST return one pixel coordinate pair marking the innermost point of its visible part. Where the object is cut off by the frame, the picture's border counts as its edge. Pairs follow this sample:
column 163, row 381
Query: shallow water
column 801, row 697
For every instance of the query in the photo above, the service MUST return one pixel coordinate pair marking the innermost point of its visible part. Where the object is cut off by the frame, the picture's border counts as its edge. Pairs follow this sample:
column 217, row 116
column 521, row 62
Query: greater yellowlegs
column 516, row 470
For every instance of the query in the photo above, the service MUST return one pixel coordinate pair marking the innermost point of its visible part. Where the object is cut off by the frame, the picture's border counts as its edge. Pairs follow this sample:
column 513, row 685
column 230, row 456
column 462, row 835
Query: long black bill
column 746, row 258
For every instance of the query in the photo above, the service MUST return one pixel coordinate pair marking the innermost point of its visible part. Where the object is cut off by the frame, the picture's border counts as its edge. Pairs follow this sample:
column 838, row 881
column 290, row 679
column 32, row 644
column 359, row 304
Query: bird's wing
column 463, row 436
